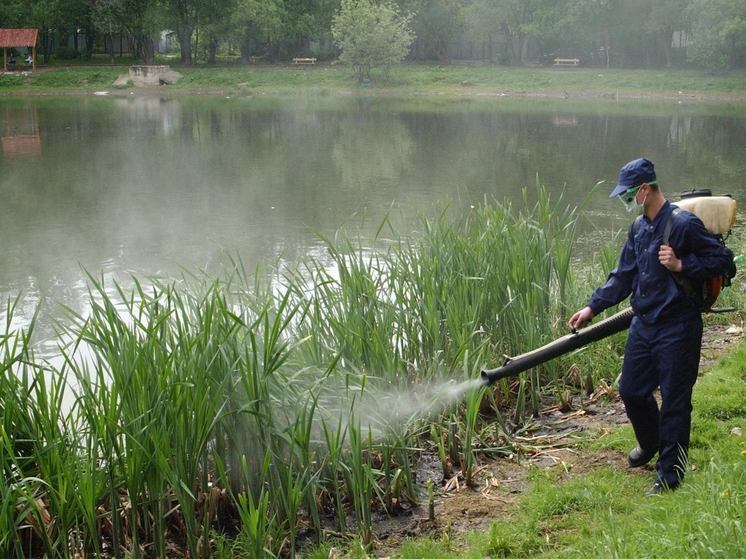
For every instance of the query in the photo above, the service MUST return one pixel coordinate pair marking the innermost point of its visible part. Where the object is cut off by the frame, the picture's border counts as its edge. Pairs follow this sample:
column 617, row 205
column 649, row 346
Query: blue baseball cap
column 632, row 174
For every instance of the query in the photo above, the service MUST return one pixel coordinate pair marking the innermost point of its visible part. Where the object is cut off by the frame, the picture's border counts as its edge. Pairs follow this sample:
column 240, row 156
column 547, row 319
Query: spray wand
column 578, row 338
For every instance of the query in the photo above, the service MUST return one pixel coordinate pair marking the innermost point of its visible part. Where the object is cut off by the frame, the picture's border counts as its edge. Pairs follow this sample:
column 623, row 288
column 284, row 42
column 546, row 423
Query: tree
column 718, row 33
column 371, row 35
column 257, row 21
column 106, row 22
column 436, row 24
column 215, row 24
column 305, row 20
column 182, row 16
column 599, row 17
column 75, row 16
column 44, row 15
column 666, row 17
column 516, row 19
column 482, row 20
column 12, row 13
column 142, row 19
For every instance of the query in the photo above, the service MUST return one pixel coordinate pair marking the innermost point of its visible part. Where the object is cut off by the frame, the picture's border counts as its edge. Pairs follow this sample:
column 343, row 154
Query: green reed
column 471, row 415
column 360, row 479
column 251, row 406
column 19, row 511
column 255, row 514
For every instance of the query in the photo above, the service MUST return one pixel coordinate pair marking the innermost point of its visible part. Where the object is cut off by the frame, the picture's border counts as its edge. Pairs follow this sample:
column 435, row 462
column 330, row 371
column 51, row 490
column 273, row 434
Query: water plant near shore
column 256, row 409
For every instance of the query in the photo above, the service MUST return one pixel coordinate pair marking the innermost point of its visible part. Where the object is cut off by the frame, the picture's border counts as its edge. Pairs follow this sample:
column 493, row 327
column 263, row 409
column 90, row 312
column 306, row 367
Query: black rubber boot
column 657, row 489
column 660, row 487
column 639, row 457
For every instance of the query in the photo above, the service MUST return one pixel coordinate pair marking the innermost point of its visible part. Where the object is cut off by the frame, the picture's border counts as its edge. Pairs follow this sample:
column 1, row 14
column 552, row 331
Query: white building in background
column 679, row 40
column 167, row 42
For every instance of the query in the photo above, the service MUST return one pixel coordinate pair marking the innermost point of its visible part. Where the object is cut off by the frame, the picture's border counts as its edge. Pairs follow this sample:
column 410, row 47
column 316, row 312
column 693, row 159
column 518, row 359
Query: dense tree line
column 609, row 33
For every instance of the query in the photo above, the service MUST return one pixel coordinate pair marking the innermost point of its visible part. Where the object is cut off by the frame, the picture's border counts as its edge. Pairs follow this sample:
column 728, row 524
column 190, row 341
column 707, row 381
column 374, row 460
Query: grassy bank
column 602, row 514
column 450, row 80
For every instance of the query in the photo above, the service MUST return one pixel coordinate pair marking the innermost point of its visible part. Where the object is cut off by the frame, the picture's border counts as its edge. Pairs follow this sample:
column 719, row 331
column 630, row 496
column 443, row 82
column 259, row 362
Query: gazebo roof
column 18, row 37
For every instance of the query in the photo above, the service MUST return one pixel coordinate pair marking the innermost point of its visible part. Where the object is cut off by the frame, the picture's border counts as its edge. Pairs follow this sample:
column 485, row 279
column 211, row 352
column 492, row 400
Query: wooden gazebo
column 18, row 38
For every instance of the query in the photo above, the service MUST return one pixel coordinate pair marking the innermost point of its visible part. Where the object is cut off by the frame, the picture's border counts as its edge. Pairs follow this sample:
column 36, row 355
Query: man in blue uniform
column 665, row 337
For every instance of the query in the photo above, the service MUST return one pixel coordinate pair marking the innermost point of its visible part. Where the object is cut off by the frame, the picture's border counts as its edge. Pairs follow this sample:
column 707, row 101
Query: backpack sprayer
column 718, row 213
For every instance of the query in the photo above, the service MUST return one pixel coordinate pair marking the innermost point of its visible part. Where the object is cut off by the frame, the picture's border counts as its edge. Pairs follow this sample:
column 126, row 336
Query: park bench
column 566, row 61
column 304, row 61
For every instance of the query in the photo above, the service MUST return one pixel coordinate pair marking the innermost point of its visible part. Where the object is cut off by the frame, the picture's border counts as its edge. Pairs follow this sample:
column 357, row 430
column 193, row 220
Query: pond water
column 153, row 186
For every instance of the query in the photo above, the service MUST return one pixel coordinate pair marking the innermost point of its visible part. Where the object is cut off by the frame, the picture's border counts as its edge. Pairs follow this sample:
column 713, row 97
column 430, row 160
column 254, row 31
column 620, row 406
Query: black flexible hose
column 514, row 365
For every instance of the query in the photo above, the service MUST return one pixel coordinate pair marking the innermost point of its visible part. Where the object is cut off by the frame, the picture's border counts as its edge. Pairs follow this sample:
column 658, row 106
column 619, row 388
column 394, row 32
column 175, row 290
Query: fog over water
column 154, row 186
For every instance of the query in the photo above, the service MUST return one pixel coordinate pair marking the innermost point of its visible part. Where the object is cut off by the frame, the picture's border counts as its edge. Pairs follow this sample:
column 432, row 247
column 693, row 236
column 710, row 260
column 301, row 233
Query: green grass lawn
column 449, row 80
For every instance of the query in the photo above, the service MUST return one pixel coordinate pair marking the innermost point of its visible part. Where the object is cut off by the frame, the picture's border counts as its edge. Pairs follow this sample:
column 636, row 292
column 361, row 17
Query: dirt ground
column 551, row 442
column 548, row 442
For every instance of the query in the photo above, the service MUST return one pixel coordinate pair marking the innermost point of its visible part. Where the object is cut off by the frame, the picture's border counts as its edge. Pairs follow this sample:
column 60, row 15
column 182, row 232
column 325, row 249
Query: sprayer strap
column 684, row 282
column 669, row 225
column 679, row 278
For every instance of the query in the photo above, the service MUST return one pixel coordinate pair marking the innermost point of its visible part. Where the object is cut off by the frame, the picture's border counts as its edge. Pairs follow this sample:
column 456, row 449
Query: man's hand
column 580, row 318
column 667, row 257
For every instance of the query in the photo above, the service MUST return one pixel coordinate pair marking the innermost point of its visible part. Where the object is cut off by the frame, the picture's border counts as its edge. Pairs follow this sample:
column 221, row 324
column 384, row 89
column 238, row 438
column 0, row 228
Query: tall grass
column 257, row 409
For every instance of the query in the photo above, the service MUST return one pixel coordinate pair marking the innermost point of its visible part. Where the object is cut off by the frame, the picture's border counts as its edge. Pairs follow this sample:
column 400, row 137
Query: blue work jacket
column 656, row 296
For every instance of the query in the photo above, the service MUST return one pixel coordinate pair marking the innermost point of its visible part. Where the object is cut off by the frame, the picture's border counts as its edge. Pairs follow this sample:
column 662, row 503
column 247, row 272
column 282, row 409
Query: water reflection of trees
column 371, row 150
column 714, row 156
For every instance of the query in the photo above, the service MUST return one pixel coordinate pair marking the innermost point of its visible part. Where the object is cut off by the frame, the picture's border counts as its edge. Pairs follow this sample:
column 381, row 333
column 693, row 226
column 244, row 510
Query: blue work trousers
column 664, row 355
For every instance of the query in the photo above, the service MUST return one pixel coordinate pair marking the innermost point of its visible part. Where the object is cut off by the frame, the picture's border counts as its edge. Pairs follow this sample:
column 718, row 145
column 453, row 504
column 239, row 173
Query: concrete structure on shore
column 149, row 75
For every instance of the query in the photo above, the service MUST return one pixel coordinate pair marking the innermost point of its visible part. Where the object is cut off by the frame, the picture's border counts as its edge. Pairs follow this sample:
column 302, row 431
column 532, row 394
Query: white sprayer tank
column 718, row 213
